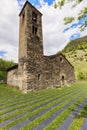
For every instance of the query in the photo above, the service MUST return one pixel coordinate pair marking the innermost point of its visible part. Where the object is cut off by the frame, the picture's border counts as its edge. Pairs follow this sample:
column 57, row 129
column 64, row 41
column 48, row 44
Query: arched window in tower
column 34, row 30
column 34, row 23
column 34, row 17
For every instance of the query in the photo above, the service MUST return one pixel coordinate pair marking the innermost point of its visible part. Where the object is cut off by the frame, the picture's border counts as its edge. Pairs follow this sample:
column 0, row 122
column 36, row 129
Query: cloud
column 54, row 36
column 9, row 28
column 42, row 2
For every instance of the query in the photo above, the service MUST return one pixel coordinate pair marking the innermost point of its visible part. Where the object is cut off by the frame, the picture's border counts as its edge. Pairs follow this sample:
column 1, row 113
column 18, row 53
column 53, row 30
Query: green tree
column 81, row 14
column 55, row 5
column 68, row 20
column 81, row 76
column 4, row 65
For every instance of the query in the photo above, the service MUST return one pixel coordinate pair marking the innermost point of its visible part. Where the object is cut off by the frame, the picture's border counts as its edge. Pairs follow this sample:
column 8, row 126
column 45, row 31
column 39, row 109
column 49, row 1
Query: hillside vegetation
column 78, row 44
column 76, row 53
column 4, row 65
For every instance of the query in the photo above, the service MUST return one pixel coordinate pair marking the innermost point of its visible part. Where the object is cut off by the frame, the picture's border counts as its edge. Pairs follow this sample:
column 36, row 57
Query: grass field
column 52, row 109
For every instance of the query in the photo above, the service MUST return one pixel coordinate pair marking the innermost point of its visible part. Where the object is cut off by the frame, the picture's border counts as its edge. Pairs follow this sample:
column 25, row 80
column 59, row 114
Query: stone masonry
column 34, row 70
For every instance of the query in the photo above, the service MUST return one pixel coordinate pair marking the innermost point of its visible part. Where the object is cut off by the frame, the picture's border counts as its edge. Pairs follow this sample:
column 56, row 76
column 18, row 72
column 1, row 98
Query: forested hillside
column 78, row 44
column 4, row 65
column 76, row 53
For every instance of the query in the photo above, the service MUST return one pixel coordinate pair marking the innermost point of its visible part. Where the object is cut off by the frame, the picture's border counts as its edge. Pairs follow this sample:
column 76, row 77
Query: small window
column 34, row 17
column 63, row 77
column 61, row 59
column 23, row 16
column 38, row 76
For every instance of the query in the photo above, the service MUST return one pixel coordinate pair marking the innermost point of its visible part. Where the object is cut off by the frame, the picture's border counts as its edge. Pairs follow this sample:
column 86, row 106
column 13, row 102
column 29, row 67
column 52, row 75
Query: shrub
column 81, row 76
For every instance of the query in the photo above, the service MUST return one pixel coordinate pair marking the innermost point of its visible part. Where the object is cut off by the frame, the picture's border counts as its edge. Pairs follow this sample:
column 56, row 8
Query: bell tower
column 30, row 44
column 30, row 33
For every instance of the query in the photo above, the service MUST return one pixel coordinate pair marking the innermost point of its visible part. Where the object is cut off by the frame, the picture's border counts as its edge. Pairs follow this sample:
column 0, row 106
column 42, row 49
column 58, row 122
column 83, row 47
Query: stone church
column 34, row 70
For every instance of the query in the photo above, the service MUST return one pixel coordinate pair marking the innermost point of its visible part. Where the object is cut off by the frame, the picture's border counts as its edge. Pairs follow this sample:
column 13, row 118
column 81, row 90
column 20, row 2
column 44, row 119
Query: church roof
column 58, row 54
column 13, row 67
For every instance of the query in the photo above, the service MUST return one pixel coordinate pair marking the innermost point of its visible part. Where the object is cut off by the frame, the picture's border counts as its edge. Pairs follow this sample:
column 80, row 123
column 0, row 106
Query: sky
column 56, row 35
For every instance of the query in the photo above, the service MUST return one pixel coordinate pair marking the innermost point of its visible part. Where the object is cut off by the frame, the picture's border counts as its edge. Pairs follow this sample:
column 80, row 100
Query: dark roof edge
column 57, row 54
column 67, row 60
column 27, row 2
column 13, row 67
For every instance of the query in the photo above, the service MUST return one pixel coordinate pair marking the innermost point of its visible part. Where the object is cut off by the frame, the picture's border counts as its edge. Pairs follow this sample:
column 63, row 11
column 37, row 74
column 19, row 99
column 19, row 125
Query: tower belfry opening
column 34, row 23
column 34, row 17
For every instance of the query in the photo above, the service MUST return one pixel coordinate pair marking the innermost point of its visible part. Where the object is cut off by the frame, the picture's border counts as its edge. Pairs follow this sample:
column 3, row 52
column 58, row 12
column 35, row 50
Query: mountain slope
column 78, row 44
column 76, row 53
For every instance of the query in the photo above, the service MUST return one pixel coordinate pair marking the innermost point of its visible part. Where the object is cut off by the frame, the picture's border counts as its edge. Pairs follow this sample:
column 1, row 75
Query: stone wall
column 48, row 73
column 17, row 78
column 13, row 79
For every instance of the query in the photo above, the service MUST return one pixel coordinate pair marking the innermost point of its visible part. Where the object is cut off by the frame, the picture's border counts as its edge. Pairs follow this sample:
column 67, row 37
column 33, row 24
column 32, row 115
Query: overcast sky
column 55, row 34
